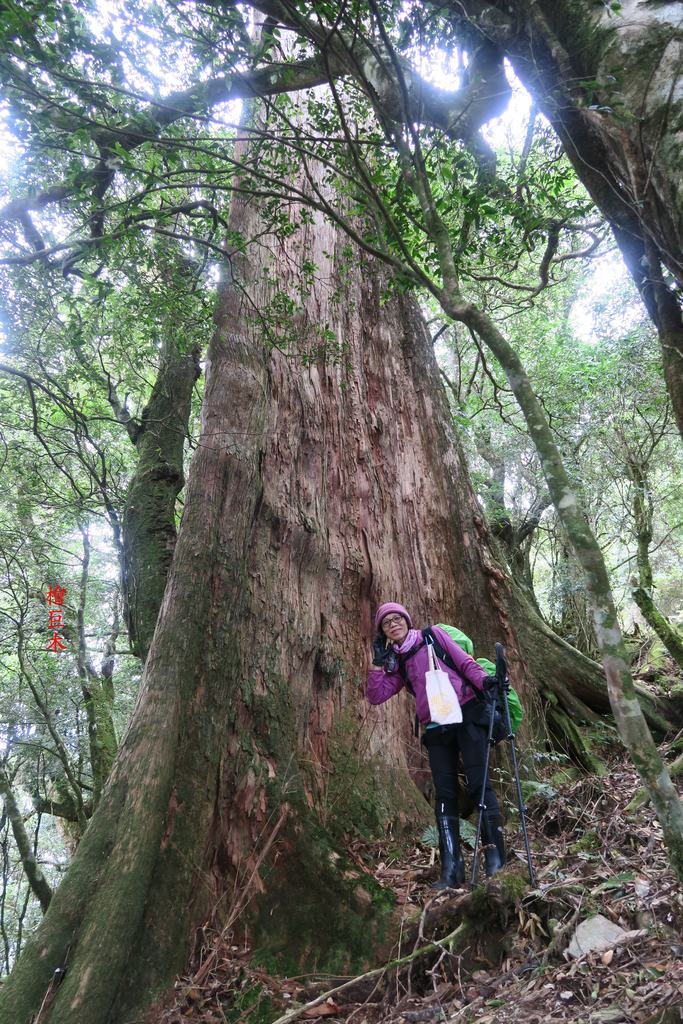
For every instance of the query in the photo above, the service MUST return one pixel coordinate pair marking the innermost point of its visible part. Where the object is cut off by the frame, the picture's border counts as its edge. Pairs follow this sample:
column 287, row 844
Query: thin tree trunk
column 573, row 620
column 149, row 519
column 145, row 539
column 35, row 877
column 642, row 594
column 623, row 698
column 659, row 623
column 98, row 708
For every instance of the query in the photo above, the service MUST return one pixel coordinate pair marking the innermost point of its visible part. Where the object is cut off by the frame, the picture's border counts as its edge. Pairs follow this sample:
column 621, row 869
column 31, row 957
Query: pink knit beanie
column 387, row 609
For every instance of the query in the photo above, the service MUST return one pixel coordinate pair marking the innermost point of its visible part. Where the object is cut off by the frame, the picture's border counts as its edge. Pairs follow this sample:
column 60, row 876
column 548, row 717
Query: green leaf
column 618, row 882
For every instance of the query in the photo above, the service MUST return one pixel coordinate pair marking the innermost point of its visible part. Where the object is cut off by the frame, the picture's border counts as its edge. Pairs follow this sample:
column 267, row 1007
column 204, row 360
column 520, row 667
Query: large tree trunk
column 611, row 84
column 316, row 492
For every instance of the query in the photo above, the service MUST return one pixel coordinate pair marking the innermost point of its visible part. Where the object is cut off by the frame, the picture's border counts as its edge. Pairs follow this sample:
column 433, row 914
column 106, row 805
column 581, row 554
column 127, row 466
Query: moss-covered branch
column 149, row 521
column 35, row 877
column 620, row 686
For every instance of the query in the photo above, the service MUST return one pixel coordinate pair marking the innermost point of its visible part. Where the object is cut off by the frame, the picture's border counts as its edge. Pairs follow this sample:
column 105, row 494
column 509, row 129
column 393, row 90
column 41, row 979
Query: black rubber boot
column 452, row 864
column 494, row 845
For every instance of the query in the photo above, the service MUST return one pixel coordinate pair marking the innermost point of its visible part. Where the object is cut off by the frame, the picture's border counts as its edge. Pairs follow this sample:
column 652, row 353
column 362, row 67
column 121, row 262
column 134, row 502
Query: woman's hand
column 380, row 651
column 383, row 654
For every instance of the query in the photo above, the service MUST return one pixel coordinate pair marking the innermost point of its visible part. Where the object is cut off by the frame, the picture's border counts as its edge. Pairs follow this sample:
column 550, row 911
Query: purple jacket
column 383, row 685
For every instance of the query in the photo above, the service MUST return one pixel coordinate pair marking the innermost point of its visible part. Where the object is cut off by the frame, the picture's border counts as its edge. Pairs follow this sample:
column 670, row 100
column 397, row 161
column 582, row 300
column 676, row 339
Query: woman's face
column 395, row 628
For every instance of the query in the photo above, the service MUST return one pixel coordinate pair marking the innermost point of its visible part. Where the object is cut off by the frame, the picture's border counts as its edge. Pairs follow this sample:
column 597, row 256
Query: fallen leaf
column 607, row 957
column 642, row 887
column 327, row 1009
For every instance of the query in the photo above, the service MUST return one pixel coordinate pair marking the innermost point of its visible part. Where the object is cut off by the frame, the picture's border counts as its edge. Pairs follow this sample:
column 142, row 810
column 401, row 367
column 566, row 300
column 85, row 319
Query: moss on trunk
column 573, row 741
column 660, row 624
column 149, row 520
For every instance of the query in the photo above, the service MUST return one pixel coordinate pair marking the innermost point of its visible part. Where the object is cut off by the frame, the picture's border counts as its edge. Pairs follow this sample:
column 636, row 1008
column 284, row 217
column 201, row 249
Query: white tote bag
column 444, row 706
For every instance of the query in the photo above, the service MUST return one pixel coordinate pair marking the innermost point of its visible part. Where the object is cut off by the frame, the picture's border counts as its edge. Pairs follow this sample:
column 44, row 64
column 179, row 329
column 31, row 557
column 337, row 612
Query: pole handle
column 501, row 665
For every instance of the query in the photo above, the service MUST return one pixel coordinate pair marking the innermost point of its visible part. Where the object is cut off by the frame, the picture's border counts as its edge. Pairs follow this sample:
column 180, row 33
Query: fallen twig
column 376, row 972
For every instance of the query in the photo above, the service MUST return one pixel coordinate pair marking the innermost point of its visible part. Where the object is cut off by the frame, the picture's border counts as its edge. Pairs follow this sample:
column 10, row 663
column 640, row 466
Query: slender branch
column 269, row 81
column 56, row 738
column 458, row 113
column 526, row 150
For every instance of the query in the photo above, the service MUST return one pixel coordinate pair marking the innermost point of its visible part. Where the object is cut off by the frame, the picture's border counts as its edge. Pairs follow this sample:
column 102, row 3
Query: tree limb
column 35, row 877
column 458, row 113
column 268, row 81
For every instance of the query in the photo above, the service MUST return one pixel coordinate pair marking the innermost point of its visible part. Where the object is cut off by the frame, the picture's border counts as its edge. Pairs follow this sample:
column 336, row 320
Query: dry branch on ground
column 593, row 856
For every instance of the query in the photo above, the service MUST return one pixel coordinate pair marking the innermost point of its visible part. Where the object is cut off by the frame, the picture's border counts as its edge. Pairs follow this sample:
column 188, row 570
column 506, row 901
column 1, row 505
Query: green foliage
column 588, row 842
column 248, row 1001
column 596, row 366
column 80, row 359
column 468, row 834
column 539, row 791
column 124, row 116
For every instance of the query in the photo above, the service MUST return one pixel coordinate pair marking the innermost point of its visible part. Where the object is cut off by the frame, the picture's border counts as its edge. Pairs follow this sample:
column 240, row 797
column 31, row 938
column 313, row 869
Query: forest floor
column 509, row 961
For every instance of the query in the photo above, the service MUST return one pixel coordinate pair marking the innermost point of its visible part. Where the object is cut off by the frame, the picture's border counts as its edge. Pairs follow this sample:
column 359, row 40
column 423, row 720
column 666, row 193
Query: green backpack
column 514, row 703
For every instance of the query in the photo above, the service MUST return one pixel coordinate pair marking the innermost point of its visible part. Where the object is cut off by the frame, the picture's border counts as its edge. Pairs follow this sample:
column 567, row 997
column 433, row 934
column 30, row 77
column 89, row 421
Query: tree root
column 481, row 915
column 448, row 941
column 570, row 737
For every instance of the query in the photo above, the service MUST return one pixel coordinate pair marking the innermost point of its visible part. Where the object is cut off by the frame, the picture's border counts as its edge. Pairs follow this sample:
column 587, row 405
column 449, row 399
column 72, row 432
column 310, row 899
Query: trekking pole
column 482, row 795
column 503, row 685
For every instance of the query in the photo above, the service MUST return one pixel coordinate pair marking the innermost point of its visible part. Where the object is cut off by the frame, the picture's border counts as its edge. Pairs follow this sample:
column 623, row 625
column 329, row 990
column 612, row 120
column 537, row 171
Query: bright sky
column 9, row 145
column 440, row 67
column 444, row 70
column 609, row 281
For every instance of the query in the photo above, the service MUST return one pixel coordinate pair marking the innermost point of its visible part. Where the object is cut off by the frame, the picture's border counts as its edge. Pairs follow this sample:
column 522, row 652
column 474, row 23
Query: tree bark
column 318, row 490
column 149, row 519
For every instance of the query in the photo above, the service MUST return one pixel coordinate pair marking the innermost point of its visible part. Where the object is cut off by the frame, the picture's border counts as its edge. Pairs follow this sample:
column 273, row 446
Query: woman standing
column 400, row 659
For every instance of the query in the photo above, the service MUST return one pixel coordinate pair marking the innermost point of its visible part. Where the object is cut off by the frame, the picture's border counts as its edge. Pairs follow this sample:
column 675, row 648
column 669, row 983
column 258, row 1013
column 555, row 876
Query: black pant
column 445, row 744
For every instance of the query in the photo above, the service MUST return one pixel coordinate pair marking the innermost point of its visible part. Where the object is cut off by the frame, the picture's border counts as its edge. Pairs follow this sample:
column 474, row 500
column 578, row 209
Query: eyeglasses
column 391, row 620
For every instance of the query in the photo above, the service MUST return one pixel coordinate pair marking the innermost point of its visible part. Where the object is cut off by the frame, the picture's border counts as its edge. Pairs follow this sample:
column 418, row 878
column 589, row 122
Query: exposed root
column 498, row 954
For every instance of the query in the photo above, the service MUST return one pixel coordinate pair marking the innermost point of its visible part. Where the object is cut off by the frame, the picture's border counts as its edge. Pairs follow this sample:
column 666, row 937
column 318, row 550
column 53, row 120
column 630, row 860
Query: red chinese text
column 55, row 596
